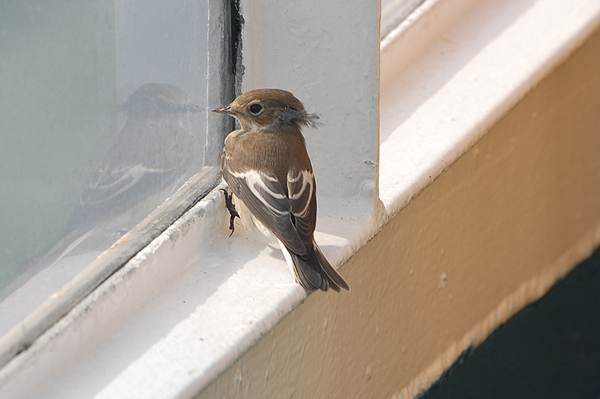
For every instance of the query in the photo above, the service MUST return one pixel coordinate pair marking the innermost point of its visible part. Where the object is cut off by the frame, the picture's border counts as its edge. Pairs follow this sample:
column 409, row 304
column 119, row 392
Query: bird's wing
column 265, row 198
column 303, row 201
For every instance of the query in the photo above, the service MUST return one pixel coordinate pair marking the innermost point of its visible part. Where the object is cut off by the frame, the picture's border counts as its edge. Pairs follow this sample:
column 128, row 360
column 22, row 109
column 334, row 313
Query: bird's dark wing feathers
column 303, row 201
column 265, row 198
column 290, row 217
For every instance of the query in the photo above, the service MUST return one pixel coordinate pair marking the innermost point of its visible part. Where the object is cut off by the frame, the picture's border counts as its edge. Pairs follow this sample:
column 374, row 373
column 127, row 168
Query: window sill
column 438, row 101
column 186, row 325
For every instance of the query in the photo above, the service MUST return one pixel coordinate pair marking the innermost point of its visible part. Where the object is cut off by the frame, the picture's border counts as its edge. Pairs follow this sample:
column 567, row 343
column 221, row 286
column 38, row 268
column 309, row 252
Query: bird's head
column 269, row 110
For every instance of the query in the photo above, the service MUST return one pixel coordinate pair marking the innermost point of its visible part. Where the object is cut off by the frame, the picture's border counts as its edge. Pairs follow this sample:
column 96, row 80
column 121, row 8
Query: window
column 184, row 308
column 104, row 114
column 132, row 38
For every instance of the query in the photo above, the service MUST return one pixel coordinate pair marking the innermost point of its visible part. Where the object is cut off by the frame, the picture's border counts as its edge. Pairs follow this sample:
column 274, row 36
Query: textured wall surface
column 490, row 235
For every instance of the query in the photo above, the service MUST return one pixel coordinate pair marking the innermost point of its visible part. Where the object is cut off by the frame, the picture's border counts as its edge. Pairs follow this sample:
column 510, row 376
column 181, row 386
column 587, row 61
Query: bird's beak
column 223, row 110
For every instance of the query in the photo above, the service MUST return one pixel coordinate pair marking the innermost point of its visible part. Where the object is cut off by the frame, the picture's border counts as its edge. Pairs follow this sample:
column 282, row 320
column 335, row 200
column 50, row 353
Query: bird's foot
column 233, row 213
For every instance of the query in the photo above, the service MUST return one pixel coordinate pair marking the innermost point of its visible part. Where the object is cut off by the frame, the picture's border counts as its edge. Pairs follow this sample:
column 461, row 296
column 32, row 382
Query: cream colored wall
column 499, row 226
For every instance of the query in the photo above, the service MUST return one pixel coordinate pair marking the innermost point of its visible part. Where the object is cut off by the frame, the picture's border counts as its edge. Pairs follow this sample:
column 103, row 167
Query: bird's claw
column 233, row 213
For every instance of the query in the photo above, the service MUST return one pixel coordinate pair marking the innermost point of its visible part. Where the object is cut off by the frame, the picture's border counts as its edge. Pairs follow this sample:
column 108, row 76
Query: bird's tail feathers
column 314, row 273
column 336, row 281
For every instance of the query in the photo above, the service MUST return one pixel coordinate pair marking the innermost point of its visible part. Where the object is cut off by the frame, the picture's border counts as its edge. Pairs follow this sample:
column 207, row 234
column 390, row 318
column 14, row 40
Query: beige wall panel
column 490, row 235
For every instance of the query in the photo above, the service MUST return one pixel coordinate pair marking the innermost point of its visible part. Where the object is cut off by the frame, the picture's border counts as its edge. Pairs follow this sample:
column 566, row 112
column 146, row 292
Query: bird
column 266, row 165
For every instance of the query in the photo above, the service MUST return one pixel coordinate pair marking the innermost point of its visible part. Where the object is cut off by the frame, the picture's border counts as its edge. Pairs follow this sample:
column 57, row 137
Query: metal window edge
column 57, row 324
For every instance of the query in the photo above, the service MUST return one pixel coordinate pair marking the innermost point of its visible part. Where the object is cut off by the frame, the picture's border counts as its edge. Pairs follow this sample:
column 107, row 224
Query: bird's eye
column 255, row 109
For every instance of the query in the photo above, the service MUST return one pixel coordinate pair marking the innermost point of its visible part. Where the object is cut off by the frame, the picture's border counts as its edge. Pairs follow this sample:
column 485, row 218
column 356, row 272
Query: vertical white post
column 327, row 54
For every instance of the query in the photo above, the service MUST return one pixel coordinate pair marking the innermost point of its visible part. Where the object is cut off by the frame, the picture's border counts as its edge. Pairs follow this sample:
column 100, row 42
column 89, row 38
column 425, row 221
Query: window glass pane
column 102, row 116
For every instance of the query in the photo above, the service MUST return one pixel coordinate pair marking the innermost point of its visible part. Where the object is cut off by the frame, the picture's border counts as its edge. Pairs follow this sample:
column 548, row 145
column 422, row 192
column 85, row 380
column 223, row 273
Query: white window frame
column 193, row 301
column 30, row 311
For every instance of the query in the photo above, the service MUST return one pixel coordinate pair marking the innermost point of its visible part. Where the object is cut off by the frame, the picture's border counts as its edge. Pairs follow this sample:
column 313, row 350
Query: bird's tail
column 315, row 273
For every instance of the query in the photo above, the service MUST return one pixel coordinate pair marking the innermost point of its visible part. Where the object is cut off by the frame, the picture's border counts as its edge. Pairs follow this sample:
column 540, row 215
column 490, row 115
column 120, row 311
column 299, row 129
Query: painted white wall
column 327, row 54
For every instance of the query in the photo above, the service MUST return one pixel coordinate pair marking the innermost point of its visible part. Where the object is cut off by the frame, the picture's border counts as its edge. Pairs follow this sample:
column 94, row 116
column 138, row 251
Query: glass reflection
column 147, row 162
column 77, row 171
